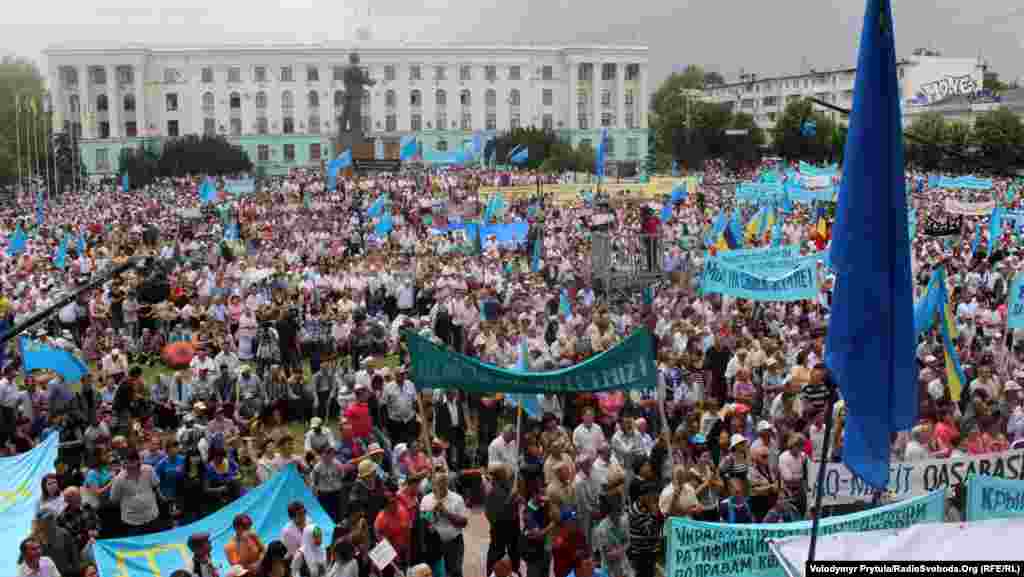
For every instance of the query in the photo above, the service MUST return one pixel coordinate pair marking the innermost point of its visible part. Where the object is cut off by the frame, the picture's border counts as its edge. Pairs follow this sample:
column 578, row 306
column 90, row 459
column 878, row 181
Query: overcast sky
column 722, row 35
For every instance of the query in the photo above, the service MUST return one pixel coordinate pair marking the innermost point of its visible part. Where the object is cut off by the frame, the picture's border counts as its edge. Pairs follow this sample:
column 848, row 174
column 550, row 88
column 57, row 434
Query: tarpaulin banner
column 912, row 479
column 628, row 365
column 994, row 498
column 21, row 479
column 762, row 282
column 240, row 186
column 969, row 208
column 699, row 549
column 160, row 554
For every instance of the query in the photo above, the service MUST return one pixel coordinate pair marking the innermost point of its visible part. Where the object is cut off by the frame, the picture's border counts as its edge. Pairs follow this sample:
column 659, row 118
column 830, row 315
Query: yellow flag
column 34, row 105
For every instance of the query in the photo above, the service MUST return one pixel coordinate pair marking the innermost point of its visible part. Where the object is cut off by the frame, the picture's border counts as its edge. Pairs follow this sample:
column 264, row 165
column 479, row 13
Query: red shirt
column 358, row 415
column 396, row 526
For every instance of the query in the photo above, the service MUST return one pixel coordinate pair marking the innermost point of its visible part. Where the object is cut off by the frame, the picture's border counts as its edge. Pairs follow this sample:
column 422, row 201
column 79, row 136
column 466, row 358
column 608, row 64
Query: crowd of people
column 295, row 357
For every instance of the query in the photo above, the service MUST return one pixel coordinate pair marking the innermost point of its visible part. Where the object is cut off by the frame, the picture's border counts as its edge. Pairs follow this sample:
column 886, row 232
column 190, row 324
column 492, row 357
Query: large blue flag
column 678, row 195
column 601, row 157
column 37, row 355
column 207, row 191
column 408, row 148
column 870, row 347
column 16, row 244
column 163, row 553
column 21, row 488
column 62, row 252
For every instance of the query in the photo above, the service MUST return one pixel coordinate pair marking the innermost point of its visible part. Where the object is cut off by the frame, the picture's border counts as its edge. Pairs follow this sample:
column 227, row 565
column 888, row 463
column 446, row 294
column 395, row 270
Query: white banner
column 969, row 208
column 988, row 540
column 913, row 479
column 816, row 181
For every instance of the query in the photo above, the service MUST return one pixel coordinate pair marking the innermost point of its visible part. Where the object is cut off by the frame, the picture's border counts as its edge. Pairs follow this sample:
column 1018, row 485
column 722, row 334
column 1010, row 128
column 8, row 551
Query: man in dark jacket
column 502, row 511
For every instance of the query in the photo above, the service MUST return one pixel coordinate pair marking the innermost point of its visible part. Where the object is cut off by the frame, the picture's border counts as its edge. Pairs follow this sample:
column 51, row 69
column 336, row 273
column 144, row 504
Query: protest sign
column 699, row 549
column 911, row 479
column 994, row 498
column 763, row 283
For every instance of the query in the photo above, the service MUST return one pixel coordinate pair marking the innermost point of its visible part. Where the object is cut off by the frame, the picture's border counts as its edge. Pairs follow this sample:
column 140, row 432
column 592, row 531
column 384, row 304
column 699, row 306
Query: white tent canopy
column 996, row 540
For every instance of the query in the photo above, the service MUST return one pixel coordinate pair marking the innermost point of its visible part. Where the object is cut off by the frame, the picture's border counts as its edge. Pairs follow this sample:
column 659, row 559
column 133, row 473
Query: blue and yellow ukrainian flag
column 954, row 372
column 822, row 224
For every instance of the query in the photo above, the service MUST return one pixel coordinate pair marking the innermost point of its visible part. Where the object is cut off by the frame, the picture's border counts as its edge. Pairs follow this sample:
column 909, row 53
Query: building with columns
column 281, row 102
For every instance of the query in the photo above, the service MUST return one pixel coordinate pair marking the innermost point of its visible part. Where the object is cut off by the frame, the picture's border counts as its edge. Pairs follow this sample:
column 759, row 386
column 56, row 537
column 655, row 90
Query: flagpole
column 35, row 139
column 819, row 489
column 17, row 138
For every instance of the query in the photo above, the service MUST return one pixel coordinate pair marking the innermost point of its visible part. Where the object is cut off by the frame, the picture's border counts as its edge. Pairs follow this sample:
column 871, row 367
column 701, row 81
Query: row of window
column 313, row 100
column 845, row 96
column 264, row 152
column 805, row 83
column 262, row 74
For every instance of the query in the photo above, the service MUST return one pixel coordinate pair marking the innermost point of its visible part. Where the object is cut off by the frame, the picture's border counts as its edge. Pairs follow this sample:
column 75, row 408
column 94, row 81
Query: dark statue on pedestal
column 350, row 125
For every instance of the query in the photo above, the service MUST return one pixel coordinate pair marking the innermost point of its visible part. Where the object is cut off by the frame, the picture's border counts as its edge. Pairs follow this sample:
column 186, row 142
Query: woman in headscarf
column 311, row 559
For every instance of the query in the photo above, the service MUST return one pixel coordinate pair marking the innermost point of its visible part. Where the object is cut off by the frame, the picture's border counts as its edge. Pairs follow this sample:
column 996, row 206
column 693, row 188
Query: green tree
column 21, row 114
column 926, row 145
column 999, row 134
column 790, row 141
column 993, row 84
column 181, row 156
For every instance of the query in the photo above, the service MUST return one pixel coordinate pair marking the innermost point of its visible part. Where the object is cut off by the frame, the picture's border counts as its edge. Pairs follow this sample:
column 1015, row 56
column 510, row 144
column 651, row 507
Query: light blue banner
column 796, row 192
column 766, row 283
column 760, row 192
column 36, row 355
column 21, row 489
column 699, row 549
column 969, row 182
column 240, row 186
column 1015, row 310
column 160, row 554
column 752, row 259
column 994, row 498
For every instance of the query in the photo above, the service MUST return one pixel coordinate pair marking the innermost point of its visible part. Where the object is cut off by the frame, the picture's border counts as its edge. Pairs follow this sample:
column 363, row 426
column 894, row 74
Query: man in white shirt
column 449, row 519
column 588, row 436
column 291, row 535
column 399, row 396
column 503, row 450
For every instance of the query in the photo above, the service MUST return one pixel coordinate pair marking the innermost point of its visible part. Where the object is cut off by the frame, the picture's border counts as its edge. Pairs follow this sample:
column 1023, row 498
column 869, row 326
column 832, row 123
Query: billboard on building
column 933, row 80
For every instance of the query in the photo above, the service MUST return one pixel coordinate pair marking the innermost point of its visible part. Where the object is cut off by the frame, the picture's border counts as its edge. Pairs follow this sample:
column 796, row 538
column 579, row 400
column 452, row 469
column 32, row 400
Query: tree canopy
column 186, row 155
column 21, row 111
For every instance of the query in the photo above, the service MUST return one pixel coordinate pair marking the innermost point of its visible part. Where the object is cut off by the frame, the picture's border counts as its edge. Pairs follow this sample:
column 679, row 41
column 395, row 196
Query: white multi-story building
column 927, row 82
column 281, row 103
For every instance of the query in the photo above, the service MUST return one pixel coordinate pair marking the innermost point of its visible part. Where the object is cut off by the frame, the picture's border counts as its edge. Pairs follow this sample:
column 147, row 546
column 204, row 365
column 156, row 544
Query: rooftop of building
column 354, row 46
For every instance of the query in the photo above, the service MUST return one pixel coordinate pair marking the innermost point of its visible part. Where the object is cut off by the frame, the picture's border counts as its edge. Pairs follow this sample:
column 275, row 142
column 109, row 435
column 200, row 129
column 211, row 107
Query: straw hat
column 367, row 468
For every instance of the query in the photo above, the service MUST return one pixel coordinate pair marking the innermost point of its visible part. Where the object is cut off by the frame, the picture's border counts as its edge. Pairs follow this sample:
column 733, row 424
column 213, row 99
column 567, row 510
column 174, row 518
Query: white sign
column 383, row 554
column 914, row 479
column 816, row 181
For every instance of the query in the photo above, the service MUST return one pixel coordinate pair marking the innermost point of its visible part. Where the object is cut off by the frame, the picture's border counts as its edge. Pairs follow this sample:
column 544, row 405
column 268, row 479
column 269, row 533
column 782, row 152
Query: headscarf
column 313, row 554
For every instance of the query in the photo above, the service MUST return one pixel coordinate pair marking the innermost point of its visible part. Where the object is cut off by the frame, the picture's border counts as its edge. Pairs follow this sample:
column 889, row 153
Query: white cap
column 736, row 439
column 764, row 426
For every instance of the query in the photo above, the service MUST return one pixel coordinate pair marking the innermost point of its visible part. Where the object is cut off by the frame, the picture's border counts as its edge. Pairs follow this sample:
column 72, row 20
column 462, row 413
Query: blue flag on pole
column 408, row 148
column 870, row 347
column 207, row 191
column 531, row 406
column 343, row 161
column 602, row 154
column 535, row 257
column 377, row 208
column 522, row 156
column 564, row 306
column 995, row 227
column 36, row 355
column 125, row 183
column 385, row 225
column 977, row 239
column 81, row 243
column 62, row 252
column 16, row 244
column 21, row 484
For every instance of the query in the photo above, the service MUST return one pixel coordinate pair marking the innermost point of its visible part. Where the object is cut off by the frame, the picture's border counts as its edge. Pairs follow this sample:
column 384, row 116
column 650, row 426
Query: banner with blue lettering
column 161, row 554
column 21, row 489
column 759, row 192
column 1015, row 310
column 994, row 498
column 760, row 259
column 36, row 355
column 699, row 549
column 763, row 283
